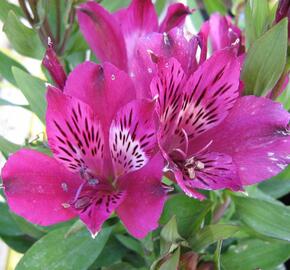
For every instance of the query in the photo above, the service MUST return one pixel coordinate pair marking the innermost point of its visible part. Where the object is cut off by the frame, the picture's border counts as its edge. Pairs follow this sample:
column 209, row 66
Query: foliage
column 252, row 232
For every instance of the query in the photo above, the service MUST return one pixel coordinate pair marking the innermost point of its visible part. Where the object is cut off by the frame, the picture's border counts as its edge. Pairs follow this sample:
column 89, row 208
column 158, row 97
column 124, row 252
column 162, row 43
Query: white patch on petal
column 126, row 152
column 281, row 166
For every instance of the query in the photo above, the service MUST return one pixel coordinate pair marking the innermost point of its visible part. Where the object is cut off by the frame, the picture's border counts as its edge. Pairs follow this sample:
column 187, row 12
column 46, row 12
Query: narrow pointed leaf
column 34, row 91
column 189, row 213
column 130, row 243
column 7, row 147
column 5, row 7
column 277, row 186
column 4, row 102
column 211, row 234
column 264, row 62
column 257, row 12
column 54, row 251
column 172, row 262
column 8, row 226
column 255, row 254
column 23, row 39
column 264, row 217
column 6, row 63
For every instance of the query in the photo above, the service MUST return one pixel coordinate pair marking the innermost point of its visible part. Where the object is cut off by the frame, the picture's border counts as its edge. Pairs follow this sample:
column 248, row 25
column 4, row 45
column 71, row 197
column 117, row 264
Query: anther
column 65, row 205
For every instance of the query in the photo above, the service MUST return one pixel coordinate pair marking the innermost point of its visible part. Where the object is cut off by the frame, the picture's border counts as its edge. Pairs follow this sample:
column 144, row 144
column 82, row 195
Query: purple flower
column 103, row 142
column 54, row 67
column 118, row 37
column 113, row 37
column 210, row 136
column 221, row 33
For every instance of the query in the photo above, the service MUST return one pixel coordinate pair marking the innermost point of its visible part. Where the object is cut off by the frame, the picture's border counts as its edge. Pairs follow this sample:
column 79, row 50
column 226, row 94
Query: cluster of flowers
column 155, row 106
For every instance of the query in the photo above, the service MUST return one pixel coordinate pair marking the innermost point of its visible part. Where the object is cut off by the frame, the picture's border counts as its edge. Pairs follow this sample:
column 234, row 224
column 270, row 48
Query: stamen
column 191, row 173
column 65, row 205
column 82, row 202
column 199, row 165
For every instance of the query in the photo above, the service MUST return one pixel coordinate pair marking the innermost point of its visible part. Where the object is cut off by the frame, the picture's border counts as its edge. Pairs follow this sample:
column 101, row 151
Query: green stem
column 217, row 254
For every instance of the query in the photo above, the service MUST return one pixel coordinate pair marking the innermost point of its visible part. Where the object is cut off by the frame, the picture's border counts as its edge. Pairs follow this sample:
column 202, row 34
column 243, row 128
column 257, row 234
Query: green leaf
column 7, row 147
column 264, row 63
column 172, row 262
column 120, row 266
column 19, row 243
column 255, row 254
column 8, row 226
column 211, row 234
column 189, row 213
column 170, row 237
column 130, row 243
column 5, row 7
column 264, row 217
column 55, row 252
column 28, row 228
column 277, row 186
column 284, row 98
column 196, row 17
column 217, row 254
column 160, row 5
column 23, row 39
column 114, row 5
column 257, row 13
column 6, row 63
column 4, row 102
column 112, row 253
column 34, row 91
column 169, row 232
column 215, row 6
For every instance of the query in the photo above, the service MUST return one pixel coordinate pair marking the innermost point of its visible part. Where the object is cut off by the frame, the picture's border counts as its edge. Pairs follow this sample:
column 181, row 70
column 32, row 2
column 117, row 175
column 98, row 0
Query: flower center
column 191, row 165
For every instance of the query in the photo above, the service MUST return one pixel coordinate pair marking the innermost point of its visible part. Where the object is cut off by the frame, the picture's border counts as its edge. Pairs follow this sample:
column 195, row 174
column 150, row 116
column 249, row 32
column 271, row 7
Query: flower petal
column 210, row 93
column 137, row 20
column 168, row 86
column 222, row 33
column 171, row 44
column 217, row 171
column 74, row 134
column 53, row 66
column 95, row 204
column 105, row 89
column 145, row 198
column 132, row 136
column 37, row 187
column 187, row 189
column 255, row 135
column 102, row 32
column 175, row 17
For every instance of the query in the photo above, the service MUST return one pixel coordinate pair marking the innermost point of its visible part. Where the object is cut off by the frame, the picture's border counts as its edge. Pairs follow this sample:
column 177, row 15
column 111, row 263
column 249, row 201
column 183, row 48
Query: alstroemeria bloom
column 221, row 33
column 54, row 67
column 211, row 137
column 103, row 143
column 113, row 37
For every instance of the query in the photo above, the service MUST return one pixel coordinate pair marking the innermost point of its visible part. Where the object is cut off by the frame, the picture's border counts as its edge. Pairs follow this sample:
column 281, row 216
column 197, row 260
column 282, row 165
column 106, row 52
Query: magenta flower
column 54, row 67
column 113, row 37
column 211, row 137
column 116, row 37
column 221, row 33
column 103, row 143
